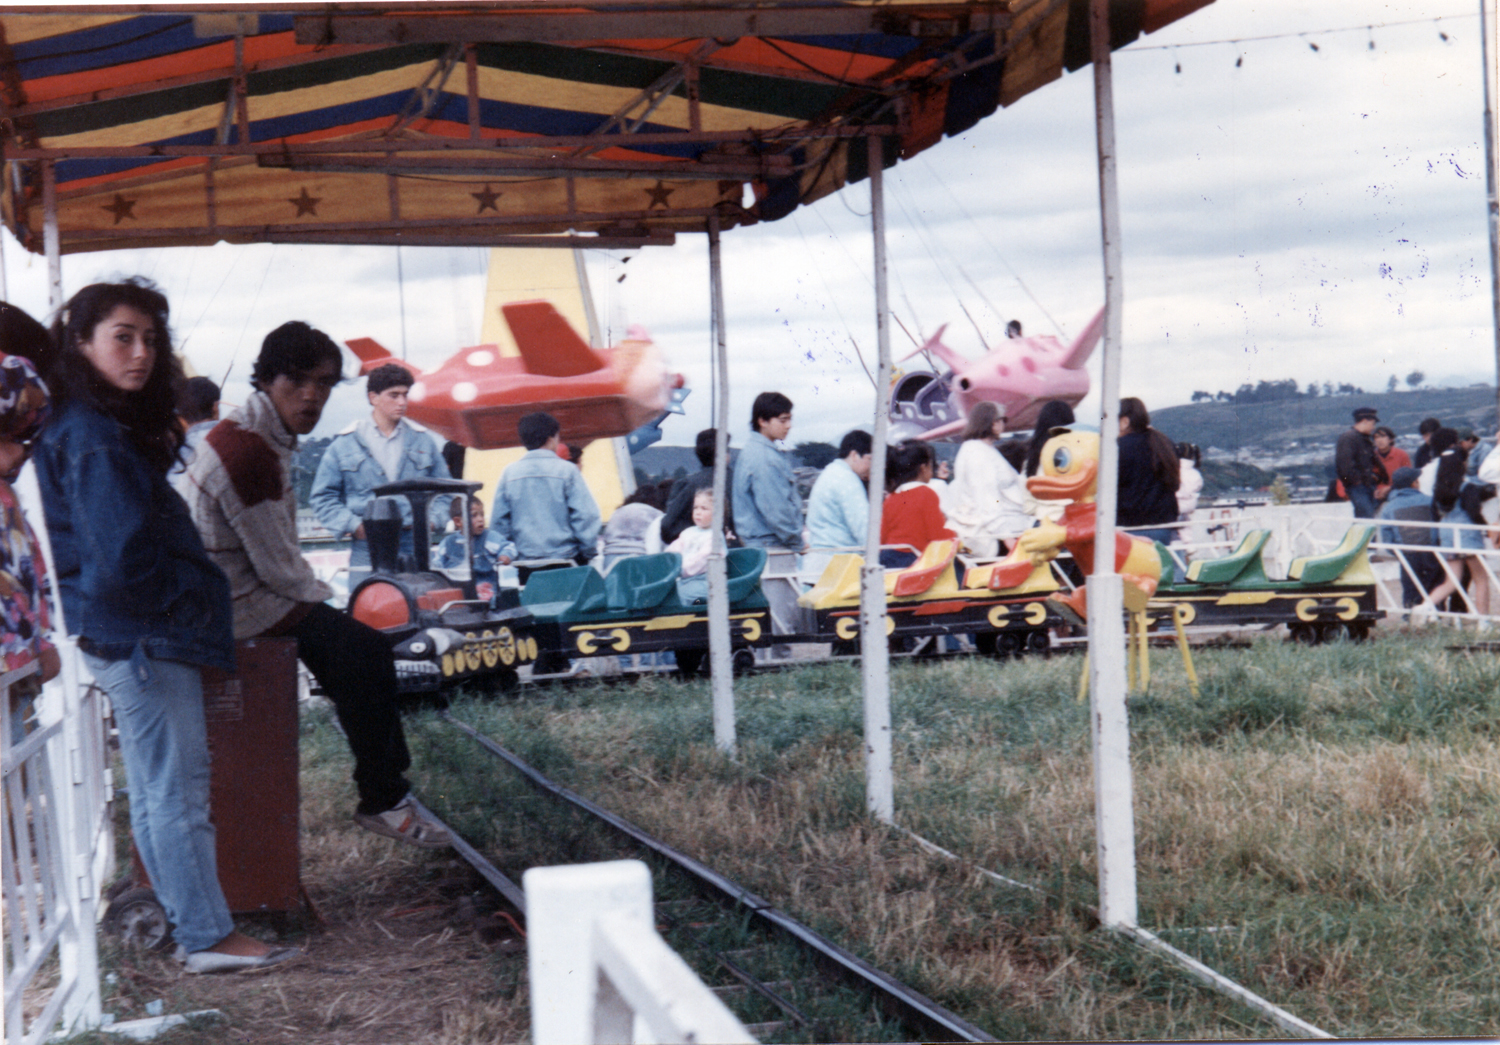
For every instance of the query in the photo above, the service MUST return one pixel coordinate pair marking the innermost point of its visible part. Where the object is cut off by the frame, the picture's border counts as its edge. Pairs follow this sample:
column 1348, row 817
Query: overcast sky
column 1307, row 214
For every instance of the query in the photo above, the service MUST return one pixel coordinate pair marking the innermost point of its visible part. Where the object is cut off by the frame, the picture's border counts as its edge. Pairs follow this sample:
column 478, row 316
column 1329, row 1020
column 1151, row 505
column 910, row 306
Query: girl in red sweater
column 912, row 513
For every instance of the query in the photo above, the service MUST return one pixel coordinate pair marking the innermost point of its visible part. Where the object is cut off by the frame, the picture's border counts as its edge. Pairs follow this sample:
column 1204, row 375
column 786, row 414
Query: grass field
column 1323, row 826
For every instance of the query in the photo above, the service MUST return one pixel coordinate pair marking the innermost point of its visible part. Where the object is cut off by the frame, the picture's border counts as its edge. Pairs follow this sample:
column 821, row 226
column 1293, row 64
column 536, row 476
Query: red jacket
column 913, row 515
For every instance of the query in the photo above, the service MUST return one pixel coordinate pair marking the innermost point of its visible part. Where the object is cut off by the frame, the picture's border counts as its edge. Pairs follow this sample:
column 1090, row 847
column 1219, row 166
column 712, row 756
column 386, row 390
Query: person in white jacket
column 1191, row 484
column 986, row 500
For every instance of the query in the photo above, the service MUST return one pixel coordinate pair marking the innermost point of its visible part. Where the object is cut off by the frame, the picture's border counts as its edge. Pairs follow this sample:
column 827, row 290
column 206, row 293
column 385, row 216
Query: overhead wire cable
column 833, row 298
column 996, row 250
column 1364, row 28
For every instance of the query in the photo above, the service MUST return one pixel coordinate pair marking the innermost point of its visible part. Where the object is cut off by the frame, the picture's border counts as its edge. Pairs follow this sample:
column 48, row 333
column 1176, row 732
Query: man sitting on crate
column 241, row 497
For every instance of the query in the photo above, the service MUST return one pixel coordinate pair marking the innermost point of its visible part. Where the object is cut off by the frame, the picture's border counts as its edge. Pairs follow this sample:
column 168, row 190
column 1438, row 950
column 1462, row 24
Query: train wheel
column 1306, row 634
column 845, row 648
column 1038, row 641
column 1008, row 644
column 690, row 661
column 137, row 917
column 1359, row 630
column 497, row 683
column 744, row 661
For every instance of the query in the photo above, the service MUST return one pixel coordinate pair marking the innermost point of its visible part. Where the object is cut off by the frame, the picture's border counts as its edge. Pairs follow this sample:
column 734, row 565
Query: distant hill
column 1320, row 419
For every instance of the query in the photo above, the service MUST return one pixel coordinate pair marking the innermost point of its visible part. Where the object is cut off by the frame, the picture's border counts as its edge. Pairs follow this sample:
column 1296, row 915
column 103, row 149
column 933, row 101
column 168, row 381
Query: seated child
column 451, row 552
column 694, row 544
column 912, row 513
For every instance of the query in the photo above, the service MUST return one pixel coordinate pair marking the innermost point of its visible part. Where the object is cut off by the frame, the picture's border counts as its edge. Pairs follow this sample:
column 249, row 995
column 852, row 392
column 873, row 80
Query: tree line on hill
column 1274, row 391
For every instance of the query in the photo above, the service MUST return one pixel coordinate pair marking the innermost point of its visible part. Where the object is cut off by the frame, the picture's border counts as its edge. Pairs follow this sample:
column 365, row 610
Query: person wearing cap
column 1408, row 504
column 1469, row 443
column 1358, row 465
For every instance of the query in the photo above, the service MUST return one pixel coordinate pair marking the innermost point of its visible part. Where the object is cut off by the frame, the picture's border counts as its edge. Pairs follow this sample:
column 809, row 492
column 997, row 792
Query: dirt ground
column 405, row 948
column 401, row 962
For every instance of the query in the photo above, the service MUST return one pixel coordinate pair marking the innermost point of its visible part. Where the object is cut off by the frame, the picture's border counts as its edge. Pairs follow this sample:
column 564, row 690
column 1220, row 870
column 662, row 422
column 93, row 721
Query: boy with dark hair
column 198, row 407
column 543, row 509
column 371, row 452
column 246, row 512
column 838, row 510
column 768, row 509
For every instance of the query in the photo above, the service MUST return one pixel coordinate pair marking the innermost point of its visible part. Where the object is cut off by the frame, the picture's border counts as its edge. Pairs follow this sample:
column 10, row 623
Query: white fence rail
column 599, row 971
column 58, row 848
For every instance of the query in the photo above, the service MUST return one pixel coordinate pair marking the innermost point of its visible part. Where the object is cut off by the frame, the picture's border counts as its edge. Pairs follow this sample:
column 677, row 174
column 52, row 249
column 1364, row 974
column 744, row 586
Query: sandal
column 406, row 822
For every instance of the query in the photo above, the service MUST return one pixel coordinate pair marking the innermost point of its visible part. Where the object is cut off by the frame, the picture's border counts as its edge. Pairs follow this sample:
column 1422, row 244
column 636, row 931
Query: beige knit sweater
column 239, row 490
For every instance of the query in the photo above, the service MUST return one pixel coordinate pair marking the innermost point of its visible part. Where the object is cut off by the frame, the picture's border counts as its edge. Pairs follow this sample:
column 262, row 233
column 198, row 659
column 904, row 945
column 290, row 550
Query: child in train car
column 694, row 544
column 912, row 514
column 483, row 569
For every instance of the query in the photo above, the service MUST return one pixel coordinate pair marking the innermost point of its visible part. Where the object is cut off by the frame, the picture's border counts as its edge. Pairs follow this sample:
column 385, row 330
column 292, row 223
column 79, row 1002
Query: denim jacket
column 543, row 510
column 127, row 558
column 348, row 473
column 767, row 506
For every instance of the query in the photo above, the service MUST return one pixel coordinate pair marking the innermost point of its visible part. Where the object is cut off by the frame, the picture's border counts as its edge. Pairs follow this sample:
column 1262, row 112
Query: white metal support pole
column 875, row 663
column 1113, row 788
column 1489, row 182
column 51, row 241
column 720, row 656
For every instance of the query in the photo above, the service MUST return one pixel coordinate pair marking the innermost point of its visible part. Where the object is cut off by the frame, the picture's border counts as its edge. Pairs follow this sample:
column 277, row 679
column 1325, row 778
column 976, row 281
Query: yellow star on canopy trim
column 659, row 196
column 487, row 199
column 305, row 204
column 121, row 208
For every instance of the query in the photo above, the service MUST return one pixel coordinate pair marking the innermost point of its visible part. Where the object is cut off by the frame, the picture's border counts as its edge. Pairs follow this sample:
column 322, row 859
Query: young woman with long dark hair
column 149, row 608
column 1149, row 475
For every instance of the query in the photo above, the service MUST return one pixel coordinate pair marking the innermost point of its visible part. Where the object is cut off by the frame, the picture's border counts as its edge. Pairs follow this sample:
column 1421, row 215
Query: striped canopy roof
column 619, row 122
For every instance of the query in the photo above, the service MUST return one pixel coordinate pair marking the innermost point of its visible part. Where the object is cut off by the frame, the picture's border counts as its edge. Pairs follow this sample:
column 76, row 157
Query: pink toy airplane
column 477, row 396
column 1020, row 373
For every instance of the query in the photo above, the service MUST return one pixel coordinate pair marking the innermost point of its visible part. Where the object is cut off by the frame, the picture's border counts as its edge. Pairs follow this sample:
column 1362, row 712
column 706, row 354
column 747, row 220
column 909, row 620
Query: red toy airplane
column 477, row 396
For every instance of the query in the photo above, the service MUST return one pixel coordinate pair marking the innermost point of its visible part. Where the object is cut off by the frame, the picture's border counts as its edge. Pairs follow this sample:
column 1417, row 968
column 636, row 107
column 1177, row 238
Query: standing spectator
column 150, row 608
column 838, row 509
column 911, row 515
column 1149, row 475
column 768, row 511
column 543, row 509
column 1054, row 414
column 1468, row 442
column 25, row 620
column 1190, row 480
column 1357, row 464
column 1469, row 544
column 1407, row 504
column 371, row 452
column 1392, row 458
column 1444, row 440
column 198, row 408
column 246, row 511
column 986, row 502
column 679, row 509
column 1425, row 452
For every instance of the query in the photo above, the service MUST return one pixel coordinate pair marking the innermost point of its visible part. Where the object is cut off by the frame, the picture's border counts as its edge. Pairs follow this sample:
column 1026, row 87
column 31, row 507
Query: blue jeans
column 1363, row 499
column 159, row 710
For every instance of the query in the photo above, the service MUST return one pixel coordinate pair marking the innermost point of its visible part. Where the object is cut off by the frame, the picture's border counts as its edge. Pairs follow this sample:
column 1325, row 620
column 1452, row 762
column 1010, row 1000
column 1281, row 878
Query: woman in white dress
column 986, row 500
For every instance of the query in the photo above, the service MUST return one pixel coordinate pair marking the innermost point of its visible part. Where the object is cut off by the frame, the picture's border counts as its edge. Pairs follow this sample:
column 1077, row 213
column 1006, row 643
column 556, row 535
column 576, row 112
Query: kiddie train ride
column 445, row 635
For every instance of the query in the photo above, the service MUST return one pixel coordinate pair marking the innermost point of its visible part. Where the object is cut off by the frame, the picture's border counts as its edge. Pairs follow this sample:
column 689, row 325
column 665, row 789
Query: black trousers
column 354, row 665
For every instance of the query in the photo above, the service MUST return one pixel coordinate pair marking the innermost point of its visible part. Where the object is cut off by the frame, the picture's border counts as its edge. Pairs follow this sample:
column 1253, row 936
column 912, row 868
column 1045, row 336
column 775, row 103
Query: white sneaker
column 1423, row 614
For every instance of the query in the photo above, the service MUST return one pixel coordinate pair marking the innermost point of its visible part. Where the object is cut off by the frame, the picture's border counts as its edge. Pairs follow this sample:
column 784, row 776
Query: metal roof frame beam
column 654, row 21
column 713, row 169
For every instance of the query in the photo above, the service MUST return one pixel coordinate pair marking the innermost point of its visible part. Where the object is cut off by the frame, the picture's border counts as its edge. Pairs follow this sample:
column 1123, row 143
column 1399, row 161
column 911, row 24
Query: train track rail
column 778, row 981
